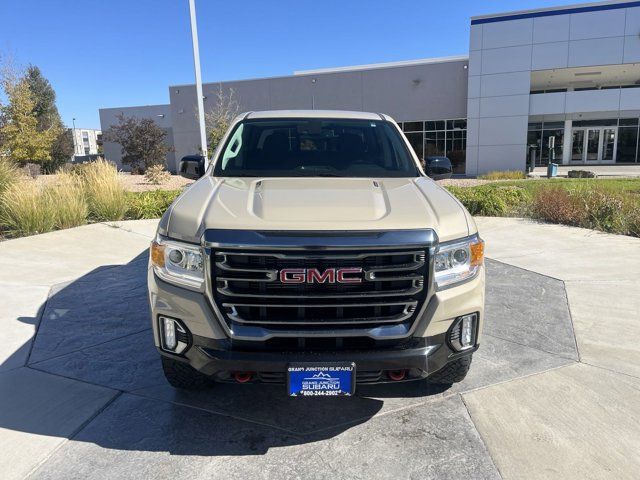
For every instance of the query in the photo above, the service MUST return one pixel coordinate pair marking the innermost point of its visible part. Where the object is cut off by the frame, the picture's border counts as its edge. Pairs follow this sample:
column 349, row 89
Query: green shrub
column 151, row 204
column 106, row 197
column 492, row 200
column 71, row 207
column 605, row 211
column 27, row 209
column 503, row 175
column 633, row 220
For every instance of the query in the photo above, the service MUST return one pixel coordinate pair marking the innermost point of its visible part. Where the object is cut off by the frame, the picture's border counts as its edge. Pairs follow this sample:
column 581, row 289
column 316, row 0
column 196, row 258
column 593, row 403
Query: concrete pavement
column 553, row 391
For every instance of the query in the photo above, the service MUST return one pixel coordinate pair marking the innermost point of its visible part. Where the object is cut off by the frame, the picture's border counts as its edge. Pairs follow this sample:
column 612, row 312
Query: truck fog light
column 466, row 331
column 173, row 335
column 169, row 333
column 463, row 332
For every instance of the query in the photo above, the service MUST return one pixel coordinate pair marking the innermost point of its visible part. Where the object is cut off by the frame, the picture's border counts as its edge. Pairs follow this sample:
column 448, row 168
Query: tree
column 62, row 150
column 21, row 139
column 44, row 97
column 219, row 119
column 143, row 142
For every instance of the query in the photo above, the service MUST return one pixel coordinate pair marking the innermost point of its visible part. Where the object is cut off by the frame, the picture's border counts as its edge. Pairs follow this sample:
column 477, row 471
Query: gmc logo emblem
column 313, row 275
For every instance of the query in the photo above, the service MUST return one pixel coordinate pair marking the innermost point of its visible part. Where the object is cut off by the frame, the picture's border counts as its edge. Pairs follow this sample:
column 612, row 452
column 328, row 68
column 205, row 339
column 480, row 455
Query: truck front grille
column 248, row 288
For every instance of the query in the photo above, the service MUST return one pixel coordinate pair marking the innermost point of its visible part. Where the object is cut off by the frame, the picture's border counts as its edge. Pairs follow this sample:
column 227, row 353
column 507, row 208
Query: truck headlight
column 177, row 262
column 458, row 261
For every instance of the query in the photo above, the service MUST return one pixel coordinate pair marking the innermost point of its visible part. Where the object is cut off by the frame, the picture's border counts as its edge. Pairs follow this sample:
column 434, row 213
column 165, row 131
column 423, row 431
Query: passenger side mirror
column 438, row 168
column 192, row 167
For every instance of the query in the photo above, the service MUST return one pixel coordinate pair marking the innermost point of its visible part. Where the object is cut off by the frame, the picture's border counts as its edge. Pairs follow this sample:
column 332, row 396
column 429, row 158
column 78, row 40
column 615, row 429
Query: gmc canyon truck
column 315, row 253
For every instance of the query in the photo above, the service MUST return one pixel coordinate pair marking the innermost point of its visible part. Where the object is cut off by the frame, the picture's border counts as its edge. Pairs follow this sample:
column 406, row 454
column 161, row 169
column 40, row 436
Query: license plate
column 325, row 380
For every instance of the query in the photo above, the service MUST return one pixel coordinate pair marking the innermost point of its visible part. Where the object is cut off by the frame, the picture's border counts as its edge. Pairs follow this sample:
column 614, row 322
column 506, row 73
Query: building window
column 86, row 150
column 439, row 138
column 538, row 136
column 627, row 148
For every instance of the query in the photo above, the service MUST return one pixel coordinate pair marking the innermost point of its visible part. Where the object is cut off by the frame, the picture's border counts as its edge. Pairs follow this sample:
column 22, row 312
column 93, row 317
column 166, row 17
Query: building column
column 566, row 144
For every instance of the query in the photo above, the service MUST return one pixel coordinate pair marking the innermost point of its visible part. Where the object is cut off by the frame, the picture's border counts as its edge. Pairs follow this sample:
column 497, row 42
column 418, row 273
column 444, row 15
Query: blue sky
column 112, row 53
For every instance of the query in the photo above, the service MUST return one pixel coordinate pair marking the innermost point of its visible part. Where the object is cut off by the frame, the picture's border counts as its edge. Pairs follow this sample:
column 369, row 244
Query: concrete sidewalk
column 580, row 421
column 553, row 392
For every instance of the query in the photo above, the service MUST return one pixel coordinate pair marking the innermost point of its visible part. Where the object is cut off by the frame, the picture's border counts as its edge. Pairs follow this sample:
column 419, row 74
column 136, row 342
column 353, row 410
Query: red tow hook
column 397, row 375
column 242, row 377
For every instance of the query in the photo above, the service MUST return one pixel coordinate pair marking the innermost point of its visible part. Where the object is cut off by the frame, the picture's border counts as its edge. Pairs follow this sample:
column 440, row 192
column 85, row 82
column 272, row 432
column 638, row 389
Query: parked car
column 438, row 167
column 314, row 252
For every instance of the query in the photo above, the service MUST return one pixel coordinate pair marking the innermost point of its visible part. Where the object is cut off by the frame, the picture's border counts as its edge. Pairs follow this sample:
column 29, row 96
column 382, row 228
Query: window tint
column 315, row 147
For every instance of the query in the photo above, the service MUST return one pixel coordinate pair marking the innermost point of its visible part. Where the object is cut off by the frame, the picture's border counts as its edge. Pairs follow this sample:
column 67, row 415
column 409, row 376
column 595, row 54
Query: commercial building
column 555, row 84
column 86, row 141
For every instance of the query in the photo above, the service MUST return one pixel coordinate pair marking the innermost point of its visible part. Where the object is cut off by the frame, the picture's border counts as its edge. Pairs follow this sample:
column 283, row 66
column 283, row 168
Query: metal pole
column 196, row 66
column 75, row 146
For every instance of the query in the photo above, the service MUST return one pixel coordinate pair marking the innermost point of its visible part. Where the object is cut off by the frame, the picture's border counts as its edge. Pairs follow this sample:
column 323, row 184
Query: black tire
column 453, row 372
column 184, row 376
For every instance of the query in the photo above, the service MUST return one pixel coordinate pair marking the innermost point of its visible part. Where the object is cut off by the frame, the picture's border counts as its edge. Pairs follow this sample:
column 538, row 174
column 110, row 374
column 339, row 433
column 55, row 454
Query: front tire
column 453, row 372
column 184, row 376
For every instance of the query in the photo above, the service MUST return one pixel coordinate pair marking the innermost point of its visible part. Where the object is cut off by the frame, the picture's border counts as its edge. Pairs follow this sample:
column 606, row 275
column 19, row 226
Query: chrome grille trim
column 417, row 288
column 407, row 312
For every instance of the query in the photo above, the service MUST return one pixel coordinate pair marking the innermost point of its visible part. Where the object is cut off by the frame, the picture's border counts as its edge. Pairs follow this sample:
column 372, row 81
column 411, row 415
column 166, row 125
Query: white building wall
column 498, row 106
column 503, row 53
column 83, row 139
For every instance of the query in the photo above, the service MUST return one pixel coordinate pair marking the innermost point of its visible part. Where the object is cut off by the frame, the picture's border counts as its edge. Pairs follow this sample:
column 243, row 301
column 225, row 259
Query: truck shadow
column 96, row 330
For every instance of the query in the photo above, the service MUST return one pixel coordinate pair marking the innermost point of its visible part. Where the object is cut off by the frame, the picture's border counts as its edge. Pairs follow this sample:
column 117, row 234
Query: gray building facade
column 548, row 85
column 408, row 91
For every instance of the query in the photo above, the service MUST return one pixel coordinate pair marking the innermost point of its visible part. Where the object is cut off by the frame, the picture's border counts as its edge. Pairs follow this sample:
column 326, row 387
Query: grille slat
column 246, row 286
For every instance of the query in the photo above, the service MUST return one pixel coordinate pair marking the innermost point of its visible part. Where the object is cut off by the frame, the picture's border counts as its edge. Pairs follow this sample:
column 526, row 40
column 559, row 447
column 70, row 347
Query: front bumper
column 419, row 358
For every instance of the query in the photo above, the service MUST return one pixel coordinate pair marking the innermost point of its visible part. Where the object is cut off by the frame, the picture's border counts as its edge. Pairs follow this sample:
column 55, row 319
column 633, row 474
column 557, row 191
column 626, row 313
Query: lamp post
column 196, row 66
column 75, row 145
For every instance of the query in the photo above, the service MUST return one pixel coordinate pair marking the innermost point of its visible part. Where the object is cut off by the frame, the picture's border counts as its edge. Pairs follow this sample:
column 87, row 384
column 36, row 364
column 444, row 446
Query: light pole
column 196, row 66
column 75, row 145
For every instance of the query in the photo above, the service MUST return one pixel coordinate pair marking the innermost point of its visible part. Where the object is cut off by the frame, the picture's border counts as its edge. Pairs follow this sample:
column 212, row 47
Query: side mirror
column 438, row 168
column 192, row 167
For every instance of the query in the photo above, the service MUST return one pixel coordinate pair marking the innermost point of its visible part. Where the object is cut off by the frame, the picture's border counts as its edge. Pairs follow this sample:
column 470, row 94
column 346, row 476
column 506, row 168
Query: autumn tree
column 143, row 142
column 22, row 141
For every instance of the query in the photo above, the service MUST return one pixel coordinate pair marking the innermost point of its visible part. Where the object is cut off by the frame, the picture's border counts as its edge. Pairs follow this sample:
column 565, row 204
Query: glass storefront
column 627, row 151
column 605, row 141
column 599, row 141
column 538, row 138
column 439, row 138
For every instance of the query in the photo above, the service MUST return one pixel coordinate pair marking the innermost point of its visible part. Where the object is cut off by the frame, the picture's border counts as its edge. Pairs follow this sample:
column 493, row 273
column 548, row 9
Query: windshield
column 315, row 148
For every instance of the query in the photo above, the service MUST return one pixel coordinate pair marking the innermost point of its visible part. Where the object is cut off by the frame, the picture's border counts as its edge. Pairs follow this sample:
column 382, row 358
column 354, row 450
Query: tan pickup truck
column 315, row 253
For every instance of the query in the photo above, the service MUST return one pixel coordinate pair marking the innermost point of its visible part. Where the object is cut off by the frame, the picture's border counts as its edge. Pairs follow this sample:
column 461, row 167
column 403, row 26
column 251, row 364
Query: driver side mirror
column 192, row 167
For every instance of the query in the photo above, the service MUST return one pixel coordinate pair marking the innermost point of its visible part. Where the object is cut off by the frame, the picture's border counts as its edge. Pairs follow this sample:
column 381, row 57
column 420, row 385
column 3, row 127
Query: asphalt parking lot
column 553, row 392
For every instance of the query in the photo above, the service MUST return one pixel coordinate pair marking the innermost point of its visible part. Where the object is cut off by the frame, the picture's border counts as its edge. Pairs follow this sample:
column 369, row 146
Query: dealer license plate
column 325, row 380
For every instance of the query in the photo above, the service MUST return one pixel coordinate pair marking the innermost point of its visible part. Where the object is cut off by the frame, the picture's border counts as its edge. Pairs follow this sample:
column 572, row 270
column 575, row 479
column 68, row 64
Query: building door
column 594, row 145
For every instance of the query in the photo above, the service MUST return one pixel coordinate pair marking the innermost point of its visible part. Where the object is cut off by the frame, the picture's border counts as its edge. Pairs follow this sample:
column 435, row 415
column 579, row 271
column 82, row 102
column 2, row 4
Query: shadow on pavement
column 96, row 330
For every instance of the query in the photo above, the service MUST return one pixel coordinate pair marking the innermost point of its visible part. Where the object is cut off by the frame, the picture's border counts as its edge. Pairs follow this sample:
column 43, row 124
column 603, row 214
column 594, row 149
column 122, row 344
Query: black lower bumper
column 419, row 359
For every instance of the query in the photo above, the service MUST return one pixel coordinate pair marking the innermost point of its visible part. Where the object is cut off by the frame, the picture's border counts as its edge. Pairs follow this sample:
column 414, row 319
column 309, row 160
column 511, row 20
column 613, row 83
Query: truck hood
column 315, row 204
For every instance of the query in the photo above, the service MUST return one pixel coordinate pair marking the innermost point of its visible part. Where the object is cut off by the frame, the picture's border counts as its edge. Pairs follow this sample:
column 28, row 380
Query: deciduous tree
column 22, row 141
column 142, row 141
